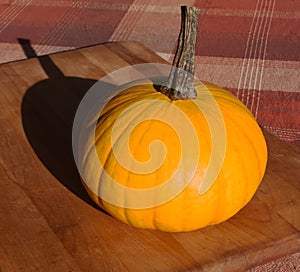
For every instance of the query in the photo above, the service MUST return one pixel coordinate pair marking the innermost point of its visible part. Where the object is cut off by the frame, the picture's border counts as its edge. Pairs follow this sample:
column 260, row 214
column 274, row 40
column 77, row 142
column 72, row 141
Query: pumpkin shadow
column 48, row 109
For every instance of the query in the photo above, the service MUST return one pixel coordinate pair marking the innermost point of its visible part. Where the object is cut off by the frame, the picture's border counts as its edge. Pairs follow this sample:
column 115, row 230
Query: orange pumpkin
column 145, row 137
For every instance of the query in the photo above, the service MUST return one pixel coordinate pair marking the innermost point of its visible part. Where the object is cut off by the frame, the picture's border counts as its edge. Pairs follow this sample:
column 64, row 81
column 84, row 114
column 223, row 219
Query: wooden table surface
column 48, row 222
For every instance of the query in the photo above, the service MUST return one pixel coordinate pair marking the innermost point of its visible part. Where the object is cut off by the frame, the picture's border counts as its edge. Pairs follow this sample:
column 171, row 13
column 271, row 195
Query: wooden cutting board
column 48, row 223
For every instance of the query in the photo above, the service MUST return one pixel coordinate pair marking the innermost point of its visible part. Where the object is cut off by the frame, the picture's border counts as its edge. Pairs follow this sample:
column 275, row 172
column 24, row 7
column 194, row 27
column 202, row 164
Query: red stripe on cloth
column 279, row 113
column 224, row 24
column 25, row 27
column 219, row 36
column 3, row 7
column 286, row 5
column 89, row 27
column 26, row 17
column 280, row 108
column 227, row 24
column 277, row 109
column 229, row 4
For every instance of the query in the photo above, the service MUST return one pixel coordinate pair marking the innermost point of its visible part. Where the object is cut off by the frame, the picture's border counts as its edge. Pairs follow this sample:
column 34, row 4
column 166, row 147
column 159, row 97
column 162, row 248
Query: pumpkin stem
column 180, row 84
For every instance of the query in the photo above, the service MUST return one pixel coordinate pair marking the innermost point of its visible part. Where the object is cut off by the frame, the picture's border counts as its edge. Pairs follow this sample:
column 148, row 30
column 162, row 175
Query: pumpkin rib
column 154, row 213
column 258, row 134
column 227, row 198
column 127, row 96
column 248, row 172
column 117, row 109
column 249, row 141
column 196, row 117
column 107, row 160
column 121, row 133
column 159, row 221
column 243, row 166
column 217, row 93
column 220, row 93
column 126, row 212
column 230, row 121
column 155, row 224
column 108, row 129
column 129, row 211
column 157, row 214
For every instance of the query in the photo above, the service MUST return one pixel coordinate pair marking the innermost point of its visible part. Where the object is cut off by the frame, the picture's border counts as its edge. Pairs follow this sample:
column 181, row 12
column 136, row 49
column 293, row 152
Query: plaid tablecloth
column 251, row 48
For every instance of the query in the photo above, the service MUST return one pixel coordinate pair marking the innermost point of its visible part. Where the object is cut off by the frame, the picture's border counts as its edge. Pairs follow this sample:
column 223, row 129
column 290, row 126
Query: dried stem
column 181, row 80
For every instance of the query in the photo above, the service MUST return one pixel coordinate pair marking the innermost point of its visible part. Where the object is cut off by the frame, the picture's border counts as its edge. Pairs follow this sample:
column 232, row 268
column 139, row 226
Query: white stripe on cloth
column 263, row 59
column 55, row 34
column 254, row 56
column 9, row 14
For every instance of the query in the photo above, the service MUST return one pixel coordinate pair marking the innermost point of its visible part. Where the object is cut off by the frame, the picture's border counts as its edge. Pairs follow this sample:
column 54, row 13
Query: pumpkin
column 155, row 146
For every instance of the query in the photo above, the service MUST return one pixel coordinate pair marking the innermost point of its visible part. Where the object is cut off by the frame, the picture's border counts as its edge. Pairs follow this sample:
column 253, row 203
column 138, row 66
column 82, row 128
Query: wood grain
column 48, row 222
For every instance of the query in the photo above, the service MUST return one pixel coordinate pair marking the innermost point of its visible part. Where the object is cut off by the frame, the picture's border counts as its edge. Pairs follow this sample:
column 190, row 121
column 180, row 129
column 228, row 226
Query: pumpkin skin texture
column 240, row 175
